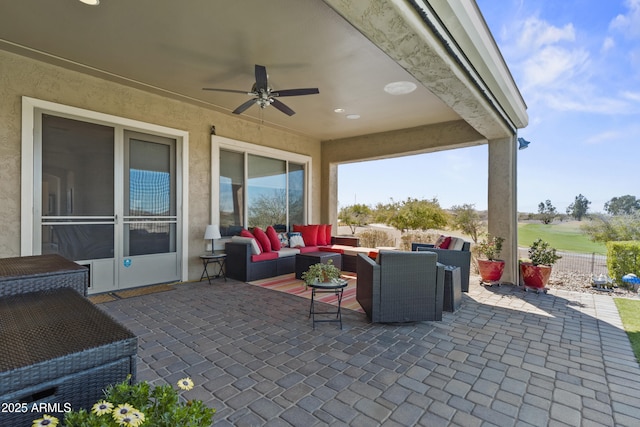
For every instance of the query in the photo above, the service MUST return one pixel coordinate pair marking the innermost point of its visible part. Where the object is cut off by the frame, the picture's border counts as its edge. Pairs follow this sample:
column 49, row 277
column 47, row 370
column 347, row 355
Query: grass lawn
column 630, row 314
column 564, row 236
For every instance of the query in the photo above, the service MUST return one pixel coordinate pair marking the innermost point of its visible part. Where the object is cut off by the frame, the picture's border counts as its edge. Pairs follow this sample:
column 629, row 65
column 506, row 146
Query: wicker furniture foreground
column 461, row 258
column 60, row 350
column 39, row 272
column 401, row 286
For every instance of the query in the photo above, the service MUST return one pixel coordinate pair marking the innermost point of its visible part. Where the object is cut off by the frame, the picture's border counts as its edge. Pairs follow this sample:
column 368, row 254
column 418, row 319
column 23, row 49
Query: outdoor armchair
column 401, row 286
column 458, row 258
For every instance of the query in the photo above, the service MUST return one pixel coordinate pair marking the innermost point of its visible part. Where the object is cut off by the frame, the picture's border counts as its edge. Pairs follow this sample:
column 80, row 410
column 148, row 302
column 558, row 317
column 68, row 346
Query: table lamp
column 212, row 232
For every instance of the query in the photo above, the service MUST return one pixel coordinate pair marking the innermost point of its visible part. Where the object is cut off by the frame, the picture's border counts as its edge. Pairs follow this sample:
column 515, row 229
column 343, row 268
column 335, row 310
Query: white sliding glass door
column 109, row 200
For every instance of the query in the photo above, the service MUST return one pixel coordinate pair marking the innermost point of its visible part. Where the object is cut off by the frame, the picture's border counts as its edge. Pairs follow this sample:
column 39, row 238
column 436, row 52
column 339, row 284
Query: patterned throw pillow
column 284, row 240
column 296, row 240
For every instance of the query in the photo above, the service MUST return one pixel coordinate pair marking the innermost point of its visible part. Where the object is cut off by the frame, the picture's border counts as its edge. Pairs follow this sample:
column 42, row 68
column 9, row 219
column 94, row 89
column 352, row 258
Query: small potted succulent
column 490, row 267
column 321, row 273
column 536, row 270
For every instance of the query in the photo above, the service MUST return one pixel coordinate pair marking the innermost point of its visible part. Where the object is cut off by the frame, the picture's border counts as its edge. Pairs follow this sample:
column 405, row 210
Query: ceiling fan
column 263, row 95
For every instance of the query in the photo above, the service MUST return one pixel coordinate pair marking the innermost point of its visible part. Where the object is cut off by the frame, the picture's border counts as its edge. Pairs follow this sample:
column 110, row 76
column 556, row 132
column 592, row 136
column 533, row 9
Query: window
column 257, row 187
column 266, row 191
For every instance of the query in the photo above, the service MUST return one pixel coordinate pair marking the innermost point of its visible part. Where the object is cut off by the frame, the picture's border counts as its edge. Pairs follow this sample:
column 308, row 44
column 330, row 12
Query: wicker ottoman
column 306, row 260
column 61, row 350
column 39, row 272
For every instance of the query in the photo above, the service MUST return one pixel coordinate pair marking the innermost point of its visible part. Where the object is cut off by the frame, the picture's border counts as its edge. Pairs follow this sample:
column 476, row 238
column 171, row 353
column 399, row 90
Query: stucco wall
column 21, row 76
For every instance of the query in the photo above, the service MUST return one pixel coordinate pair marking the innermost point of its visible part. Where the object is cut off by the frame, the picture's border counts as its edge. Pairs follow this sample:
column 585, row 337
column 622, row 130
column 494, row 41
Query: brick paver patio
column 505, row 358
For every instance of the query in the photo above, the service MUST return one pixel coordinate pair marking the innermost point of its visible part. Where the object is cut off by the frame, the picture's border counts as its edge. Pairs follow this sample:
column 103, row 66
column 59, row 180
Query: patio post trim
column 503, row 203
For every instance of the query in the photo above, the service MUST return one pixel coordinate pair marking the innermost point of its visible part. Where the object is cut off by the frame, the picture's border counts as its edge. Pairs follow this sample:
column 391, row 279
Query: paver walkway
column 505, row 358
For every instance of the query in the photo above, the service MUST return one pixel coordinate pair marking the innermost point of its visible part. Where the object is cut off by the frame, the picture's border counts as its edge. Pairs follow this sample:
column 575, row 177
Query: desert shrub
column 372, row 238
column 623, row 258
column 417, row 237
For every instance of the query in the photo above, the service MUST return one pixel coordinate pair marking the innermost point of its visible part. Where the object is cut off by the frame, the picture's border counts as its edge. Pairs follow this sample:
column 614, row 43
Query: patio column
column 329, row 195
column 502, row 202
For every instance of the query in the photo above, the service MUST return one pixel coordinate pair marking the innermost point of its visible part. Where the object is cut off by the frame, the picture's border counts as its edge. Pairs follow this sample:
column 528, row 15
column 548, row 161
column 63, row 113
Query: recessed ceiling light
column 353, row 116
column 400, row 88
column 339, row 110
column 91, row 2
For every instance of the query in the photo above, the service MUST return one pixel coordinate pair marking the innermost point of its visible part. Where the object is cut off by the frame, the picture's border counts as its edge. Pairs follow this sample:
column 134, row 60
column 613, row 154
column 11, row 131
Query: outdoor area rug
column 128, row 293
column 289, row 284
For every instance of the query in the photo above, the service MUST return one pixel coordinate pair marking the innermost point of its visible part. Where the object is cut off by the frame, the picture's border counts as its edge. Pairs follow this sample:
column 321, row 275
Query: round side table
column 336, row 287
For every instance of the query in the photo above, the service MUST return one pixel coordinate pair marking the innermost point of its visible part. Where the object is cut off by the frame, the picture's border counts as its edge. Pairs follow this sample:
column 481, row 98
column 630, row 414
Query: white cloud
column 557, row 68
column 552, row 64
column 608, row 44
column 604, row 137
column 628, row 24
column 632, row 96
column 537, row 33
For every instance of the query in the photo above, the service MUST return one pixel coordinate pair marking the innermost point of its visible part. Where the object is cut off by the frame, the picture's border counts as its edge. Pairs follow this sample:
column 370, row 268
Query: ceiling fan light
column 400, row 88
column 91, row 2
column 339, row 110
column 353, row 116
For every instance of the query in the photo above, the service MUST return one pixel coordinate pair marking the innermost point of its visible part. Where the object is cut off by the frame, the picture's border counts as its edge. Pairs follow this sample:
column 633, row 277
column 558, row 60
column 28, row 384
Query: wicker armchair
column 458, row 258
column 401, row 286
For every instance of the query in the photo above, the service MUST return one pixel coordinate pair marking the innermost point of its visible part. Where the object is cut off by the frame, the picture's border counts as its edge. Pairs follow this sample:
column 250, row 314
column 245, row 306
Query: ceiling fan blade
column 296, row 92
column 280, row 106
column 241, row 109
column 261, row 78
column 227, row 90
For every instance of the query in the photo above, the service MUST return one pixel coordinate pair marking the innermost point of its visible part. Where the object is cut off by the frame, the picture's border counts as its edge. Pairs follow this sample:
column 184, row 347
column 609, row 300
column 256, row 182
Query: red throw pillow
column 328, row 235
column 322, row 234
column 262, row 239
column 273, row 238
column 309, row 234
column 247, row 233
column 445, row 243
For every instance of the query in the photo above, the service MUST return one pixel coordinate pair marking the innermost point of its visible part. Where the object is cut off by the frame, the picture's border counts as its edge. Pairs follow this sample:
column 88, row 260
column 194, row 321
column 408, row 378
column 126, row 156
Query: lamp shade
column 212, row 232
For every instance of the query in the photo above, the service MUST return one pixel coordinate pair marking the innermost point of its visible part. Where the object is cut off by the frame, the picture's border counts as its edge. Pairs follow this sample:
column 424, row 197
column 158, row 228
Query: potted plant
column 319, row 273
column 536, row 271
column 491, row 268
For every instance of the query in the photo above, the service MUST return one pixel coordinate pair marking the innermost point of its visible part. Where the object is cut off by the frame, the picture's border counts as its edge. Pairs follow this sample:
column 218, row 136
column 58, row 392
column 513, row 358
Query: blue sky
column 577, row 64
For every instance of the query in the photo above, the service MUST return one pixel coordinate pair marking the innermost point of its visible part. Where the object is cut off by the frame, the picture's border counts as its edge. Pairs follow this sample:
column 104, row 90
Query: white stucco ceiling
column 178, row 47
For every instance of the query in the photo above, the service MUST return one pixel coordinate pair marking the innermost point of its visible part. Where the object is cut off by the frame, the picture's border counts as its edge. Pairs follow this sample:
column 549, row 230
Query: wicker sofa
column 458, row 258
column 400, row 286
column 243, row 265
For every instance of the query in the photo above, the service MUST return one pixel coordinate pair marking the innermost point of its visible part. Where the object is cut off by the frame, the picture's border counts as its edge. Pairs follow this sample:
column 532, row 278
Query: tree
column 355, row 216
column 268, row 209
column 547, row 212
column 467, row 219
column 579, row 207
column 623, row 205
column 613, row 229
column 413, row 214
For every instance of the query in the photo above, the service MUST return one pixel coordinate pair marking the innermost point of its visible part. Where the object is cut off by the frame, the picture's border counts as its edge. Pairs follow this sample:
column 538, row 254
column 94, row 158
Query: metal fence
column 578, row 263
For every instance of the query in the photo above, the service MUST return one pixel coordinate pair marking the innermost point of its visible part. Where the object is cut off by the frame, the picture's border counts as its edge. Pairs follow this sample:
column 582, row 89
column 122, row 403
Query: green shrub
column 417, row 237
column 623, row 258
column 372, row 238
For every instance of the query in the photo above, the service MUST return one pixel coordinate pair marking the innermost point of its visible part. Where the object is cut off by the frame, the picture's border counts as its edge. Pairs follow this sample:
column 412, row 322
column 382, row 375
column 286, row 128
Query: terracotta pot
column 535, row 276
column 490, row 270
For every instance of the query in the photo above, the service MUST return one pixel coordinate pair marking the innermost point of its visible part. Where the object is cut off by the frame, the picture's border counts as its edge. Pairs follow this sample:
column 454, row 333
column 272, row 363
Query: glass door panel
column 77, row 189
column 150, row 207
column 149, row 226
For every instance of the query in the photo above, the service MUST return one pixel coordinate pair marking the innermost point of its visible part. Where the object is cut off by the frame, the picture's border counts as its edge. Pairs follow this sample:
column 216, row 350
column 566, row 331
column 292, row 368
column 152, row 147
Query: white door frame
column 28, row 213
